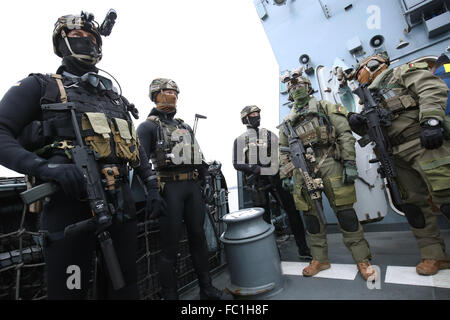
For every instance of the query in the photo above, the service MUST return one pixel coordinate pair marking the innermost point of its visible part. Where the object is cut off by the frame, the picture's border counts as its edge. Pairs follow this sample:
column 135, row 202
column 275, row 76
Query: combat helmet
column 160, row 84
column 299, row 82
column 373, row 65
column 248, row 110
column 84, row 21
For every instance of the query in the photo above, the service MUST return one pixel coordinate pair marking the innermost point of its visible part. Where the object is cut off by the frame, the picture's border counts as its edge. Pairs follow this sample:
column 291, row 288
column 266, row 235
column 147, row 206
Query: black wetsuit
column 19, row 107
column 272, row 185
column 184, row 203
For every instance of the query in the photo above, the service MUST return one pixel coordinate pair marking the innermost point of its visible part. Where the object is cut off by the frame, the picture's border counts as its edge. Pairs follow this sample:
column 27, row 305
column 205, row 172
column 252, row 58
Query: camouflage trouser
column 422, row 173
column 341, row 197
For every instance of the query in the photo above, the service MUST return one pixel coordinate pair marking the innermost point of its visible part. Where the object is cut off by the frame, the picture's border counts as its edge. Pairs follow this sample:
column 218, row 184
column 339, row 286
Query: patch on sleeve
column 17, row 84
column 418, row 65
column 341, row 109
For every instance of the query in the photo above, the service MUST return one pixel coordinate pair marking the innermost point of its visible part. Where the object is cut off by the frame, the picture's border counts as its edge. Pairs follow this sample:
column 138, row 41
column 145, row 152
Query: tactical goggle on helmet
column 248, row 110
column 369, row 68
column 160, row 84
column 297, row 83
column 84, row 21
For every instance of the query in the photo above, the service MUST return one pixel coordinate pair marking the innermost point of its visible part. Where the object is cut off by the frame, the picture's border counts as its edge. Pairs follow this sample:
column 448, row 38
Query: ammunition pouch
column 315, row 132
column 399, row 104
column 160, row 156
column 125, row 138
column 96, row 130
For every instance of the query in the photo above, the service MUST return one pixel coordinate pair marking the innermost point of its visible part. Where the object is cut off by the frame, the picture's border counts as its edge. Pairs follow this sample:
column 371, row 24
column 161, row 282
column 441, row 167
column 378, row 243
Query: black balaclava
column 254, row 122
column 81, row 45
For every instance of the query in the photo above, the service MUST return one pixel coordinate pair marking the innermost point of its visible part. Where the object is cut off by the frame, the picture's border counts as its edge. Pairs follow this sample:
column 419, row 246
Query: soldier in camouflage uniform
column 323, row 127
column 261, row 177
column 419, row 136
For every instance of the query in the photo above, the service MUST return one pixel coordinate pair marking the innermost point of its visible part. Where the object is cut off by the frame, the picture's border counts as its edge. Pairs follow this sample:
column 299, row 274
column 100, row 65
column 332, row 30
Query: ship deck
column 394, row 250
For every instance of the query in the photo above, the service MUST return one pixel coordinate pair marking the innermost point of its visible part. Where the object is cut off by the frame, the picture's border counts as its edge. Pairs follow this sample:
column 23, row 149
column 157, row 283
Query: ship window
column 416, row 11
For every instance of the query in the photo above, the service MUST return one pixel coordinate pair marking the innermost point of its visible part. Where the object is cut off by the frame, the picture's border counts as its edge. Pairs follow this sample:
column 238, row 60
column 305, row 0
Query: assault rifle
column 377, row 121
column 314, row 186
column 102, row 211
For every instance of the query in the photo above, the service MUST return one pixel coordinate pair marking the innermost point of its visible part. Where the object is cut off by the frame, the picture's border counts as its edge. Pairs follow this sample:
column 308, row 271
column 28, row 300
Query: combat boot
column 366, row 270
column 208, row 291
column 429, row 267
column 315, row 267
column 212, row 293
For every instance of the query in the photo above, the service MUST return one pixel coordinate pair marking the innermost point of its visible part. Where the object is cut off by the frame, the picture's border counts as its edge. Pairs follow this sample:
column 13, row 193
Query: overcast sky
column 216, row 51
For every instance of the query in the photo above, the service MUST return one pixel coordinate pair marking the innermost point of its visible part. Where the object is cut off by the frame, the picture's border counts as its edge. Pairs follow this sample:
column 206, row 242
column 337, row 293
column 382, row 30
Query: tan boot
column 315, row 267
column 366, row 270
column 429, row 267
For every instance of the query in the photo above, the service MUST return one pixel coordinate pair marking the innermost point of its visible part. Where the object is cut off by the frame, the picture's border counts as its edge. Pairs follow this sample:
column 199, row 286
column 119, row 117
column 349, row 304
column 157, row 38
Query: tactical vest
column 252, row 144
column 393, row 96
column 398, row 99
column 102, row 117
column 313, row 126
column 175, row 144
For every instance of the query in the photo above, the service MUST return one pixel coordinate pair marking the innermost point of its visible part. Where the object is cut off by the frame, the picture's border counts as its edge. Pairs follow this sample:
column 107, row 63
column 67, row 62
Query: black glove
column 207, row 190
column 350, row 172
column 432, row 137
column 68, row 176
column 155, row 206
column 357, row 123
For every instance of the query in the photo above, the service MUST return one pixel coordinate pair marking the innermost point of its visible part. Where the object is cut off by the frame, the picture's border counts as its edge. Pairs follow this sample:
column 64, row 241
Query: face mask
column 166, row 102
column 300, row 96
column 84, row 45
column 81, row 46
column 254, row 121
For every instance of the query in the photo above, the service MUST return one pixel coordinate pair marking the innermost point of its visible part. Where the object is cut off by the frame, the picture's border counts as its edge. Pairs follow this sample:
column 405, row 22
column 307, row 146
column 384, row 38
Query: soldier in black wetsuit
column 38, row 143
column 171, row 146
column 252, row 154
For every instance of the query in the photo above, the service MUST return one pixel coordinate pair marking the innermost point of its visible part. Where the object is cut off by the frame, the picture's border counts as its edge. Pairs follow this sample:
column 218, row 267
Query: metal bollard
column 252, row 255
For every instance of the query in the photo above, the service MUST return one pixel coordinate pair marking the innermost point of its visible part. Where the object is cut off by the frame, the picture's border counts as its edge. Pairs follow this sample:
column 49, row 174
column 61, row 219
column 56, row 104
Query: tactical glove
column 357, row 123
column 68, row 176
column 155, row 206
column 432, row 137
column 286, row 184
column 350, row 172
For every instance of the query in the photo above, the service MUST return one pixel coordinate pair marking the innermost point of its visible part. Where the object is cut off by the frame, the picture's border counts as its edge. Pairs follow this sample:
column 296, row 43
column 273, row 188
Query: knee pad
column 312, row 224
column 414, row 216
column 348, row 220
column 445, row 209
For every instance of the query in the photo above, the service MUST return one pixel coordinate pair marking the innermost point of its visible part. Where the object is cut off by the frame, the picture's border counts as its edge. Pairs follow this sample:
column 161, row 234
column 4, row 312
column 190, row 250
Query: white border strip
column 409, row 276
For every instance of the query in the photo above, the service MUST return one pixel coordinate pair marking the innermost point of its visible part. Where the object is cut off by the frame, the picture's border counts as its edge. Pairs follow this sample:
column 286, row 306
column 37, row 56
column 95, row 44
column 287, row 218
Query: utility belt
column 172, row 176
